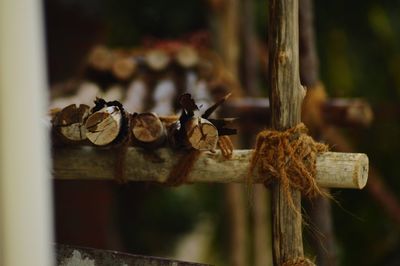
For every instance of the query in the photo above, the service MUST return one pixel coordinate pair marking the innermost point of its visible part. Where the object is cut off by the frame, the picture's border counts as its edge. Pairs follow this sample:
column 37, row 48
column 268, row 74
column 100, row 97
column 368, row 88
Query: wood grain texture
column 286, row 95
column 104, row 126
column 91, row 163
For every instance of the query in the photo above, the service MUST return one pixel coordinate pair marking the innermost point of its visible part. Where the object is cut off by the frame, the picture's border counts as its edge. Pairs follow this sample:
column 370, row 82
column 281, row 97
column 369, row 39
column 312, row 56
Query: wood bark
column 142, row 166
column 286, row 96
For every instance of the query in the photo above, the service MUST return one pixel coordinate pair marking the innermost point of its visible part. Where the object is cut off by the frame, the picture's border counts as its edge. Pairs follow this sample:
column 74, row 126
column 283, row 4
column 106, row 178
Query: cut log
column 98, row 164
column 201, row 134
column 157, row 59
column 104, row 126
column 148, row 130
column 100, row 58
column 69, row 122
column 123, row 68
column 187, row 57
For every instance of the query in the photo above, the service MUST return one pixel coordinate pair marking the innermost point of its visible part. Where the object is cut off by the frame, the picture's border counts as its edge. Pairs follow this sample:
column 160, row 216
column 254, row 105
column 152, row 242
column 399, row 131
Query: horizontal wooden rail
column 334, row 170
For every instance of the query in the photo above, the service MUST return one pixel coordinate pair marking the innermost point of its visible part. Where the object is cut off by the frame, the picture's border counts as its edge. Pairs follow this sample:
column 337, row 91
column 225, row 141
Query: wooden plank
column 342, row 170
column 80, row 256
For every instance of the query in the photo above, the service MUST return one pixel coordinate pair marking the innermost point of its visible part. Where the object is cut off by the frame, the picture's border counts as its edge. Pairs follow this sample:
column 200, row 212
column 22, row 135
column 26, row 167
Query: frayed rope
column 288, row 156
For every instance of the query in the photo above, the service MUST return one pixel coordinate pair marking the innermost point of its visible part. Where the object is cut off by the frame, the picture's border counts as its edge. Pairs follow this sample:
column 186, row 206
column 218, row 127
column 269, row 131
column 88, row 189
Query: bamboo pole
column 286, row 96
column 25, row 208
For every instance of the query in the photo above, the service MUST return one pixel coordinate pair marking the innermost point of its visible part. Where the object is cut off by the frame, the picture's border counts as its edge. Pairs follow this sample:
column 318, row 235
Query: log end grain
column 147, row 127
column 69, row 122
column 104, row 126
column 202, row 134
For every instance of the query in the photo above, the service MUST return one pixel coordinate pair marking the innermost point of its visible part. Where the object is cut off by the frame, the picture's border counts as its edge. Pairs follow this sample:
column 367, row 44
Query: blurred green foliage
column 359, row 47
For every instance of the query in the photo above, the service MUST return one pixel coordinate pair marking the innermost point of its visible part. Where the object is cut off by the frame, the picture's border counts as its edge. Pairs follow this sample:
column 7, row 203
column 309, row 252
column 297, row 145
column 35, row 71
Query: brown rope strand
column 289, row 157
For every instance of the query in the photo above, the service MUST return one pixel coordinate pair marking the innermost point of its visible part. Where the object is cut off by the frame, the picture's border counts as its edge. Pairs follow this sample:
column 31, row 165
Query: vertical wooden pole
column 286, row 96
column 261, row 213
column 319, row 208
column 25, row 209
column 227, row 35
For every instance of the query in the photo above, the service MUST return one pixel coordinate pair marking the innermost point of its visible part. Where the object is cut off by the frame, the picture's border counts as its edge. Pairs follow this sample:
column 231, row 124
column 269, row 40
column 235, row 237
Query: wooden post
column 226, row 34
column 286, row 95
column 319, row 209
column 25, row 202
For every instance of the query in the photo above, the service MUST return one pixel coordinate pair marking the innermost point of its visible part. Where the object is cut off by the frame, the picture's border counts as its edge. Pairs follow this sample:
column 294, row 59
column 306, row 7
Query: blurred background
column 357, row 44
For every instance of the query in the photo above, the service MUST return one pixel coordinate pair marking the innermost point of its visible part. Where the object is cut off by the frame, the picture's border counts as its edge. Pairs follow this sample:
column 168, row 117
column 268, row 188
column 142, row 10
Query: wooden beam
column 340, row 170
column 336, row 111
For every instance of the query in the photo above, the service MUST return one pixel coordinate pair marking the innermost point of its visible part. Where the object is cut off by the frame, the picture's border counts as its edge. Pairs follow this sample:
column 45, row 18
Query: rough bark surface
column 142, row 165
column 286, row 95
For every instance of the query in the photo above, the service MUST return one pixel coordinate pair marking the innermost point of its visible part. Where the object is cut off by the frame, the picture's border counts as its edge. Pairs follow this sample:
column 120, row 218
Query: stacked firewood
column 148, row 79
column 109, row 124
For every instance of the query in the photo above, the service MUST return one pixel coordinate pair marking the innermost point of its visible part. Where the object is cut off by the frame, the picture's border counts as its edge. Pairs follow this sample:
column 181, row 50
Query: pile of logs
column 148, row 79
column 108, row 124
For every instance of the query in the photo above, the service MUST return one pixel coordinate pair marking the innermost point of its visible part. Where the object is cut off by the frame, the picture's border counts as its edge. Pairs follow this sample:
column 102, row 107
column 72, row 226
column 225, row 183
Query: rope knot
column 288, row 156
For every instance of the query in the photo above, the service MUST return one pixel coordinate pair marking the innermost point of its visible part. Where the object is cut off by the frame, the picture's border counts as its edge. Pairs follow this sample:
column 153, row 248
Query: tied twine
column 299, row 262
column 121, row 145
column 288, row 156
column 181, row 170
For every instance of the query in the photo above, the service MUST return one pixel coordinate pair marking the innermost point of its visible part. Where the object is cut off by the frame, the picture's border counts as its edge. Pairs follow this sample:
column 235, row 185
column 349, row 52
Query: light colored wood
column 201, row 134
column 123, row 68
column 104, row 126
column 147, row 128
column 334, row 170
column 140, row 166
column 286, row 96
column 187, row 57
column 157, row 59
column 100, row 58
